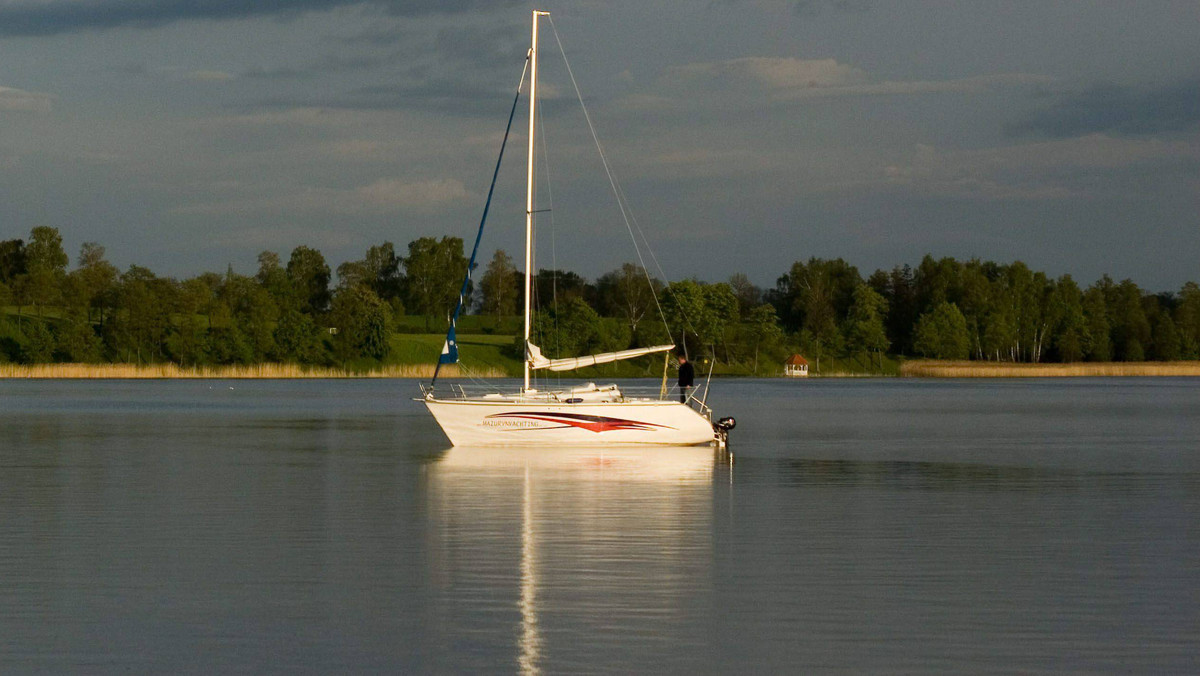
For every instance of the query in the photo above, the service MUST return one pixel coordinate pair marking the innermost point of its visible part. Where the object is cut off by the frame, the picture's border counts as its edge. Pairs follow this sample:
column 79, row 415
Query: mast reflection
column 599, row 544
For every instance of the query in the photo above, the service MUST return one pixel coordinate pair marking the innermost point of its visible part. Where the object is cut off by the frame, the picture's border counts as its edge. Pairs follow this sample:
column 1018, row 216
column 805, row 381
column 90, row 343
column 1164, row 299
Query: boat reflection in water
column 580, row 551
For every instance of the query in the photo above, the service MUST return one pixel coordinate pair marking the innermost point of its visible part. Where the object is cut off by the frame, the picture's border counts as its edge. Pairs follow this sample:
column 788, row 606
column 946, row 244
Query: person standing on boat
column 687, row 376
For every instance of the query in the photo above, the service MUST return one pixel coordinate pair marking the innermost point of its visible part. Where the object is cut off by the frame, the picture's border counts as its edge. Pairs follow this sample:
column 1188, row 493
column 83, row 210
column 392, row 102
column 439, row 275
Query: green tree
column 1187, row 320
column 12, row 260
column 897, row 289
column 14, row 273
column 141, row 318
column 977, row 297
column 700, row 313
column 999, row 332
column 309, row 276
column 500, row 287
column 383, row 270
column 45, row 249
column 47, row 263
column 378, row 271
column 298, row 339
column 363, row 323
column 818, row 297
column 257, row 314
column 272, row 277
column 864, row 327
column 937, row 281
column 764, row 327
column 1167, row 343
column 942, row 333
column 1071, row 338
column 629, row 293
column 77, row 339
column 228, row 345
column 748, row 295
column 573, row 328
column 97, row 278
column 1095, row 313
column 434, row 270
column 38, row 347
column 550, row 286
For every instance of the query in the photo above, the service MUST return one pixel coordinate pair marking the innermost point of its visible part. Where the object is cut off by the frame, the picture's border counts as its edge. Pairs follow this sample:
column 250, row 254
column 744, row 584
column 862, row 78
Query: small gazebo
column 795, row 367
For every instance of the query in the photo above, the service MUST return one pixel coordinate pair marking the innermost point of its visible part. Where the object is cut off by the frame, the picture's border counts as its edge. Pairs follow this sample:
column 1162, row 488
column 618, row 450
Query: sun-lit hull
column 469, row 422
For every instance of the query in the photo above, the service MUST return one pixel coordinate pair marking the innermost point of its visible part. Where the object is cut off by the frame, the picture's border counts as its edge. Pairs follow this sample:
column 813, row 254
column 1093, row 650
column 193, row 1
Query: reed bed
column 973, row 369
column 132, row 371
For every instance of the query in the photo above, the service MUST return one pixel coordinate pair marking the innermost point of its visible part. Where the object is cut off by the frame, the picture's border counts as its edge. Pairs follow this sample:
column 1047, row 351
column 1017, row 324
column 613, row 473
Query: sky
column 190, row 135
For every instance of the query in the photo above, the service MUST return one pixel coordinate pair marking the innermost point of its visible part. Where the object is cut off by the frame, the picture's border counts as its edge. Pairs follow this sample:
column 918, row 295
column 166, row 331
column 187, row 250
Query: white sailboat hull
column 468, row 422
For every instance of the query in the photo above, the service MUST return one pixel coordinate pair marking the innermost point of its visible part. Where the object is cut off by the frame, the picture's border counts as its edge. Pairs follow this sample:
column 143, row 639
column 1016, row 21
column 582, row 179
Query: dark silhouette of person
column 687, row 376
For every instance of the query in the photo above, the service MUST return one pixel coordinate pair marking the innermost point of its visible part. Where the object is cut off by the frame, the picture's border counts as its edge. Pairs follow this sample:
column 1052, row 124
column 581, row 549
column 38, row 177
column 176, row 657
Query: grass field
column 971, row 369
column 479, row 354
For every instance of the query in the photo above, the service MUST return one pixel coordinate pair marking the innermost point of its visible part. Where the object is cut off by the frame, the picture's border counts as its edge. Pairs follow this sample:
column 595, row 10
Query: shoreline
column 923, row 368
column 257, row 371
column 973, row 369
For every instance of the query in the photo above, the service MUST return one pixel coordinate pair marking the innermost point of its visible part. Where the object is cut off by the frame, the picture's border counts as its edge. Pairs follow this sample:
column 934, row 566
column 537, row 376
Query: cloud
column 813, row 8
column 791, row 79
column 1075, row 167
column 210, row 75
column 776, row 73
column 385, row 196
column 54, row 17
column 1112, row 109
column 284, row 237
column 394, row 192
column 21, row 100
column 333, row 63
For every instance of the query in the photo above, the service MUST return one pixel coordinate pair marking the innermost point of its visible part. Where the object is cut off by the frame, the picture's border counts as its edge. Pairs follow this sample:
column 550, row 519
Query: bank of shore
column 927, row 368
column 160, row 371
column 922, row 368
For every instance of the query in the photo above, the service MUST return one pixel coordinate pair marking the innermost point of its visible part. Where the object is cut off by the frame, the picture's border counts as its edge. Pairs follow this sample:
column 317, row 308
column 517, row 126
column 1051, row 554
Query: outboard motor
column 721, row 430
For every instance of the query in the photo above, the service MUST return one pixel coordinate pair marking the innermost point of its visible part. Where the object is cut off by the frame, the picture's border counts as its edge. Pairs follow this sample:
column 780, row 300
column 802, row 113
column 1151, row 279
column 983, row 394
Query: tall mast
column 529, row 190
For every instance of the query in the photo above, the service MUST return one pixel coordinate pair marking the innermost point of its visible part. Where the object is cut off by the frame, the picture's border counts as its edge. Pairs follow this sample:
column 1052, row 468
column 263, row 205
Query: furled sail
column 537, row 361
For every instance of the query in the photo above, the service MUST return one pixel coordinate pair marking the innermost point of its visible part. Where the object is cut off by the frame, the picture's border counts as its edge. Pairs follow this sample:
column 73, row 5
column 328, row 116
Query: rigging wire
column 626, row 212
column 553, row 234
column 658, row 266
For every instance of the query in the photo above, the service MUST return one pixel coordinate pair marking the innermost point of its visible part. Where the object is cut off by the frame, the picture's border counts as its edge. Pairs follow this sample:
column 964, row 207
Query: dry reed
column 254, row 371
column 973, row 369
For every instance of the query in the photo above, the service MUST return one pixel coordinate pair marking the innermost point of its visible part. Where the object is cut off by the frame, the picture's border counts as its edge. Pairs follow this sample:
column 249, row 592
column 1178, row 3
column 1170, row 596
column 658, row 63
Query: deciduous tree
column 500, row 286
column 309, row 276
column 434, row 270
column 942, row 333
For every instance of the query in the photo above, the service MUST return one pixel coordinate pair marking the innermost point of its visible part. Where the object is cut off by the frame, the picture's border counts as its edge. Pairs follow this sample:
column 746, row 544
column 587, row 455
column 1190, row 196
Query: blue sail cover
column 449, row 348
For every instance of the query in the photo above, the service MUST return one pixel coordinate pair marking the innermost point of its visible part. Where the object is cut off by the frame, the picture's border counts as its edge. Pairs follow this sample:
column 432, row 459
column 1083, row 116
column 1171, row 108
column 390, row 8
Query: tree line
column 295, row 311
column 981, row 310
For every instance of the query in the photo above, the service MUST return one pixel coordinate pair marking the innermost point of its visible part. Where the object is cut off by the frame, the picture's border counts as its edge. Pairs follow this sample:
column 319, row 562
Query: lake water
column 863, row 526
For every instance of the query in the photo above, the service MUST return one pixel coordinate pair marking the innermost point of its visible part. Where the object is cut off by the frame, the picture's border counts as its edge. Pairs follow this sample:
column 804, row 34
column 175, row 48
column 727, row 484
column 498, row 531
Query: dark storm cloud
column 53, row 17
column 455, row 97
column 460, row 70
column 1112, row 109
column 325, row 65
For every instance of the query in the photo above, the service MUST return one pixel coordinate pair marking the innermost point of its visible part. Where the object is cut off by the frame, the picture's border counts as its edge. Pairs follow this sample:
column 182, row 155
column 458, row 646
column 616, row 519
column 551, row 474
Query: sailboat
column 583, row 415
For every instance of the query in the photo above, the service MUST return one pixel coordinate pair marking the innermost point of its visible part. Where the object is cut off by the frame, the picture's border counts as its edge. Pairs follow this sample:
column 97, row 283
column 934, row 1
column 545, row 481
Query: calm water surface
column 863, row 527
